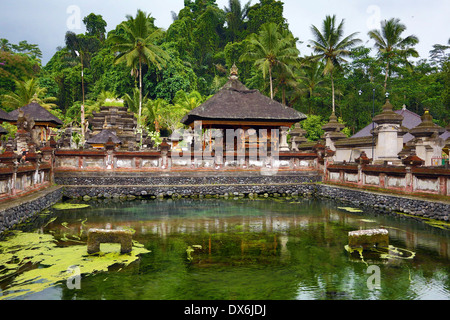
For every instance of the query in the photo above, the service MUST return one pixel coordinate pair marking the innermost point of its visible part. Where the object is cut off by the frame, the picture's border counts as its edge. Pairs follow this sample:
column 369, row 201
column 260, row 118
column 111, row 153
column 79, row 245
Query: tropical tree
column 26, row 92
column 235, row 15
column 331, row 46
column 132, row 101
column 188, row 101
column 272, row 48
column 311, row 79
column 154, row 109
column 391, row 45
column 136, row 46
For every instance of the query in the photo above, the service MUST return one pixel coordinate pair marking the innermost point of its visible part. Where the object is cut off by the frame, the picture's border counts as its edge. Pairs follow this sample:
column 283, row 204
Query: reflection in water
column 253, row 249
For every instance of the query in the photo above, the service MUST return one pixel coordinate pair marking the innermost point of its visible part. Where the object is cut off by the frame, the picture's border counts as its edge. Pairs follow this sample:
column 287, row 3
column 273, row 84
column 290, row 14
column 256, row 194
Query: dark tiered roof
column 235, row 102
column 103, row 136
column 410, row 120
column 38, row 113
column 4, row 116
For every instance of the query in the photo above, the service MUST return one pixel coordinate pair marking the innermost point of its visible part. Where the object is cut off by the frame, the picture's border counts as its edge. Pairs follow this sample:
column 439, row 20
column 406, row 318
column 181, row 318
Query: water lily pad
column 349, row 209
column 53, row 262
column 66, row 206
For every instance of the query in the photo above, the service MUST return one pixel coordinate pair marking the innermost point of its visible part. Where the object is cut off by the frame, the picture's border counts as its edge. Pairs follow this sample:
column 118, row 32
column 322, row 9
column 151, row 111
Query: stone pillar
column 284, row 147
column 333, row 132
column 297, row 136
column 218, row 147
column 387, row 132
column 426, row 141
column 408, row 180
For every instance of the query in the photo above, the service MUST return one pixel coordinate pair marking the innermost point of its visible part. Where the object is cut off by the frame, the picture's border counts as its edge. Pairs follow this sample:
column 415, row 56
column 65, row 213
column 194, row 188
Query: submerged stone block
column 369, row 238
column 98, row 236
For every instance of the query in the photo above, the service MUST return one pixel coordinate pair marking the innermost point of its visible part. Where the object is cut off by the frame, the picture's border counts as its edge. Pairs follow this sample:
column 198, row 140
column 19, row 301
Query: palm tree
column 137, row 46
column 311, row 79
column 153, row 112
column 188, row 101
column 235, row 17
column 271, row 48
column 390, row 44
column 331, row 46
column 26, row 92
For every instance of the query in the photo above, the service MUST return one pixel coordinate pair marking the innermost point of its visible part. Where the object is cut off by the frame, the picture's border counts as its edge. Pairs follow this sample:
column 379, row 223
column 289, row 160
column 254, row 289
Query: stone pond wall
column 19, row 210
column 246, row 185
column 384, row 202
column 250, row 184
column 405, row 179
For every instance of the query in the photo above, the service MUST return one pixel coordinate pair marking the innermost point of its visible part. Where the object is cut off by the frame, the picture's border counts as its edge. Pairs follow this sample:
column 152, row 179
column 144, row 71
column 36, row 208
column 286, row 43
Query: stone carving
column 98, row 236
column 367, row 239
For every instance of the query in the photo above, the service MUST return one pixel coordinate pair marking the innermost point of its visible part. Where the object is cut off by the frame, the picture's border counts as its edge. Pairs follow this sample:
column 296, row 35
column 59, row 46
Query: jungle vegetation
column 162, row 74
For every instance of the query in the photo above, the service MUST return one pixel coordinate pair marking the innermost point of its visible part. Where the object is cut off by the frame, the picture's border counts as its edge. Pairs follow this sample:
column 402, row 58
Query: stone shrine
column 427, row 143
column 116, row 119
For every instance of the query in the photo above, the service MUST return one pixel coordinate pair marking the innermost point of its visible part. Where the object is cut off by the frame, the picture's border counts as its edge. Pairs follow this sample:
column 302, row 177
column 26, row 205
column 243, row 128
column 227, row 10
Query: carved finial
column 234, row 72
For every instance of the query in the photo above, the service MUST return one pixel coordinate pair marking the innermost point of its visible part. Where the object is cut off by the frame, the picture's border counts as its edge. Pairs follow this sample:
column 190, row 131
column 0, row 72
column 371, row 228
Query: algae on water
column 349, row 209
column 66, row 206
column 41, row 249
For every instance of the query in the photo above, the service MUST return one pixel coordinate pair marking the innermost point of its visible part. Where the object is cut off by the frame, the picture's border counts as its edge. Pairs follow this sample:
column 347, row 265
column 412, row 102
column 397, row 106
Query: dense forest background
column 196, row 53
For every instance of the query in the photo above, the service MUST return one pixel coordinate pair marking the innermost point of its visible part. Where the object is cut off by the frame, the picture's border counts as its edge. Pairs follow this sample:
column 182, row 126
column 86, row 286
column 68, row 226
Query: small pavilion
column 43, row 120
column 235, row 106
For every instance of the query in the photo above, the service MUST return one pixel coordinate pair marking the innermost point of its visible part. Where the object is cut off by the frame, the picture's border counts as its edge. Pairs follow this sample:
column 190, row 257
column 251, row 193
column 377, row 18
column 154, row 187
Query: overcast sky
column 45, row 22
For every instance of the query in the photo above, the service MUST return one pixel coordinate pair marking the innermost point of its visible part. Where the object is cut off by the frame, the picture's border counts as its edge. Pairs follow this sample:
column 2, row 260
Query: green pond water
column 264, row 249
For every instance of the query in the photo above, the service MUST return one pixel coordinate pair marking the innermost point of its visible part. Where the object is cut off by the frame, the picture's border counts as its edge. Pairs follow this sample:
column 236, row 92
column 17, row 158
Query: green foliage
column 266, row 11
column 95, row 25
column 313, row 126
column 11, row 129
column 26, row 92
column 180, row 67
column 272, row 48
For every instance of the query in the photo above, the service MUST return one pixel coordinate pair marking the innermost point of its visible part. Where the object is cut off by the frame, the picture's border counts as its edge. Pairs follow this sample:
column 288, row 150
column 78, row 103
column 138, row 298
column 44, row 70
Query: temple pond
column 262, row 249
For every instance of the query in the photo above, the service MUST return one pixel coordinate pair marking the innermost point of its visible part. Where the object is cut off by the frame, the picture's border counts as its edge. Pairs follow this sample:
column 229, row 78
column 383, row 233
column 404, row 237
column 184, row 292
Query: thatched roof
column 38, row 113
column 235, row 102
column 4, row 116
column 103, row 136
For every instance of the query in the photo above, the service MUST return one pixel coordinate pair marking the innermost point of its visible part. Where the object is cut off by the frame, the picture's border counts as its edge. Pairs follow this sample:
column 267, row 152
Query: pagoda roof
column 5, row 116
column 235, row 102
column 426, row 127
column 103, row 136
column 37, row 112
column 410, row 120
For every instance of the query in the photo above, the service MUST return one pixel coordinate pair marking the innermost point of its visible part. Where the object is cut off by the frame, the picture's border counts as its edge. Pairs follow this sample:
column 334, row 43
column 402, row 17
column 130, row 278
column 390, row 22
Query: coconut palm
column 235, row 17
column 136, row 46
column 270, row 48
column 153, row 112
column 311, row 79
column 331, row 46
column 26, row 92
column 391, row 45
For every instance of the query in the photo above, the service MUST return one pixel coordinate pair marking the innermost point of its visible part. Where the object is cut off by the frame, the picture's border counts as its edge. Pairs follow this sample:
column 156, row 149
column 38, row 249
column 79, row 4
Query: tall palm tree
column 26, row 92
column 311, row 79
column 137, row 46
column 153, row 112
column 391, row 45
column 331, row 46
column 270, row 48
column 235, row 17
